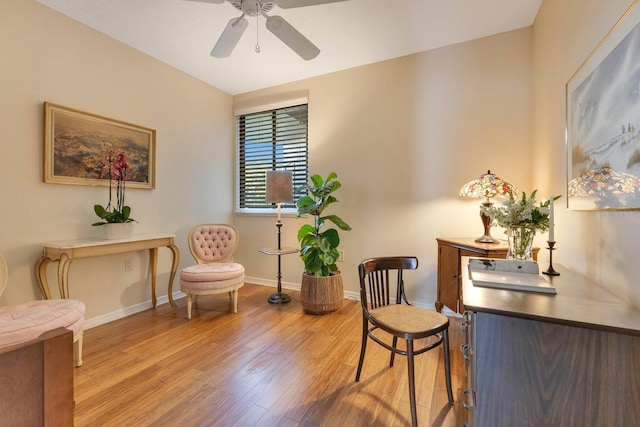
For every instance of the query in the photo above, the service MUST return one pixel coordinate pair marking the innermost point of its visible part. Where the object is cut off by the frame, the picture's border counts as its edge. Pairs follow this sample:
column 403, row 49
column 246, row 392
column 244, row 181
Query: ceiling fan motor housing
column 252, row 7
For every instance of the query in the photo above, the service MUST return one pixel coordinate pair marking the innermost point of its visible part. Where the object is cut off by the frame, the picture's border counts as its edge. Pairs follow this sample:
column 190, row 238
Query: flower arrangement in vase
column 116, row 167
column 521, row 218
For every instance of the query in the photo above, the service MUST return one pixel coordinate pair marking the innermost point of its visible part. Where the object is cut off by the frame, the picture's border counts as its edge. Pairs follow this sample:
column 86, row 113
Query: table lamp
column 279, row 190
column 486, row 186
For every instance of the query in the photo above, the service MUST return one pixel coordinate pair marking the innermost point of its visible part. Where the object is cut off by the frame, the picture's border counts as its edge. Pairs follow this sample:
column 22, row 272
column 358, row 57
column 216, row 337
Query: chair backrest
column 4, row 273
column 211, row 243
column 381, row 277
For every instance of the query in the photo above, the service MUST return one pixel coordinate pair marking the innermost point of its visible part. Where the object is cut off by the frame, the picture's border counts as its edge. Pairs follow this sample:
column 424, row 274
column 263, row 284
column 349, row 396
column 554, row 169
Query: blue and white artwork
column 604, row 131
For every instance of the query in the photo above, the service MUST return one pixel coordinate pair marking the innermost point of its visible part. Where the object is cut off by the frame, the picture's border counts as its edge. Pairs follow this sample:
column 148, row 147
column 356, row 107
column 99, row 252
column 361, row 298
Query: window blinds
column 275, row 139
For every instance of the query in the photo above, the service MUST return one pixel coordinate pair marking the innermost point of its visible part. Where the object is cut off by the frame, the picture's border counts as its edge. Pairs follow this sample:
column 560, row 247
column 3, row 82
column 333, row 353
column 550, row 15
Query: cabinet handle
column 464, row 348
column 467, row 405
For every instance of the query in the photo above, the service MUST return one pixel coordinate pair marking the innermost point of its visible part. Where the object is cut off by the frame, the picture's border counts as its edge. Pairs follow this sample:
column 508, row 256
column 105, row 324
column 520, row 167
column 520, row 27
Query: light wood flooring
column 267, row 365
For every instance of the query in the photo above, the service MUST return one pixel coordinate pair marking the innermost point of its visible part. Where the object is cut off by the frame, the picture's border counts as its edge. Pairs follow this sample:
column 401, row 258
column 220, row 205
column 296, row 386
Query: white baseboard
column 127, row 311
column 133, row 309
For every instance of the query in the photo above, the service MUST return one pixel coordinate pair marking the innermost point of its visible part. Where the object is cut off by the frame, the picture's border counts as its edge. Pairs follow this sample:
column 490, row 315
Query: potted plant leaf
column 321, row 289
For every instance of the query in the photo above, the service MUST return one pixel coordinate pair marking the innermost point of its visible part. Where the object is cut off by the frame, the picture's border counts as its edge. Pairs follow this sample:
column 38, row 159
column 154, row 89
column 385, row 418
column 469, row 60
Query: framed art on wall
column 603, row 122
column 76, row 143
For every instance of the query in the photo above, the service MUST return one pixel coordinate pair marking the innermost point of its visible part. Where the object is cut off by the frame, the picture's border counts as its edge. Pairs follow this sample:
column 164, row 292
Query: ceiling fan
column 276, row 24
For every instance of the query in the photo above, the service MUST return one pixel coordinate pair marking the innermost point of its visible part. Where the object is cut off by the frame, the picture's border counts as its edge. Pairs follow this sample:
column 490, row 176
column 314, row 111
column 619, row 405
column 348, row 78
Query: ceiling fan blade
column 209, row 1
column 292, row 37
column 289, row 4
column 229, row 37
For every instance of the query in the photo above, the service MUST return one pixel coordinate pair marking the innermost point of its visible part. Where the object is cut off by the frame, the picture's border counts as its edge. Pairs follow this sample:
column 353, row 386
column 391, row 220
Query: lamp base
column 487, row 239
column 486, row 222
column 279, row 298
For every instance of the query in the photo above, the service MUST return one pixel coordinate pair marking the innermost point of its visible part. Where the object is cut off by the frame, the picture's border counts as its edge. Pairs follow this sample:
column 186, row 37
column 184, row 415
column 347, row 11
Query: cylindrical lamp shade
column 279, row 186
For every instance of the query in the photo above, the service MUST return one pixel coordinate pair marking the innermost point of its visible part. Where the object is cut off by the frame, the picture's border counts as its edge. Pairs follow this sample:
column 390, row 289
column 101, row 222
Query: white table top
column 97, row 241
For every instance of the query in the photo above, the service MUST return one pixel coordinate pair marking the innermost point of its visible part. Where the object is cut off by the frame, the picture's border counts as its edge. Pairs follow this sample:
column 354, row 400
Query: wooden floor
column 267, row 365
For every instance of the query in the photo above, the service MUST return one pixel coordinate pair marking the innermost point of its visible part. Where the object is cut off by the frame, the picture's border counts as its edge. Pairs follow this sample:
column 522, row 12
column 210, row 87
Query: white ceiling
column 182, row 33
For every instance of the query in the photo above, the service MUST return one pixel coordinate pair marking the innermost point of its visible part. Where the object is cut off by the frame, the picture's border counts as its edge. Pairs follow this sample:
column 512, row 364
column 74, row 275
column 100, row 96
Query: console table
column 450, row 253
column 64, row 252
column 534, row 359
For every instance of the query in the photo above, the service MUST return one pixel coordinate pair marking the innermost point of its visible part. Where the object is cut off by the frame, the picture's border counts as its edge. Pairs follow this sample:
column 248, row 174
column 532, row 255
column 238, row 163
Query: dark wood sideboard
column 535, row 359
column 450, row 253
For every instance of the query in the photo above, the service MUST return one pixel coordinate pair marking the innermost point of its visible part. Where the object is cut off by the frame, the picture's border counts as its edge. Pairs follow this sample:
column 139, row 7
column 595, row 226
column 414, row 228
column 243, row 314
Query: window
column 275, row 139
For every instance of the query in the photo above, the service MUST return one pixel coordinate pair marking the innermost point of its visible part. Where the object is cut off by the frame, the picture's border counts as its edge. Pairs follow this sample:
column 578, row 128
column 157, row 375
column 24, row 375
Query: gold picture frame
column 76, row 143
column 603, row 122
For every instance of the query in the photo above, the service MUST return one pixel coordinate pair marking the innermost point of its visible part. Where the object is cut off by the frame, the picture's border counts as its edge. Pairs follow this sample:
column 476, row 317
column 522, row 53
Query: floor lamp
column 279, row 190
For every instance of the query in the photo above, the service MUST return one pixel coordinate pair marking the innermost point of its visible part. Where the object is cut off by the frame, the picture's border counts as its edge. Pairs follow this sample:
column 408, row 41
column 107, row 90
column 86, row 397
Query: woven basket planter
column 321, row 295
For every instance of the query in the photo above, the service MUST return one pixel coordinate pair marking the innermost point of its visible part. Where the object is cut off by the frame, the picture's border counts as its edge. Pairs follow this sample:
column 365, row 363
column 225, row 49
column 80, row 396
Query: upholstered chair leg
column 412, row 384
column 447, row 363
column 363, row 347
column 77, row 351
column 189, row 303
column 234, row 297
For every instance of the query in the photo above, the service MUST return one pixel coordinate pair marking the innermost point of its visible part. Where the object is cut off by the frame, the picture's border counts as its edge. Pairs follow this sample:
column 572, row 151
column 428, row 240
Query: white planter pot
column 117, row 230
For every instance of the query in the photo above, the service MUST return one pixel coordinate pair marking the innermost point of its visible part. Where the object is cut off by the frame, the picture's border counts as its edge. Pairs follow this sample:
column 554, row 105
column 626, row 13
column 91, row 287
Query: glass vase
column 520, row 242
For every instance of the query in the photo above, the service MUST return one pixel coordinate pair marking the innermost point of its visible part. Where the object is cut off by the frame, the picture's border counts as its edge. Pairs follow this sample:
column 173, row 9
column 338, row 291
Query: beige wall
column 403, row 136
column 600, row 244
column 48, row 57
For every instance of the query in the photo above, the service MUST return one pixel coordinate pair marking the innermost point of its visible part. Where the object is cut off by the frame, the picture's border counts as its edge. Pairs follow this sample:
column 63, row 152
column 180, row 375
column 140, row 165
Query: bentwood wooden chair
column 212, row 246
column 381, row 296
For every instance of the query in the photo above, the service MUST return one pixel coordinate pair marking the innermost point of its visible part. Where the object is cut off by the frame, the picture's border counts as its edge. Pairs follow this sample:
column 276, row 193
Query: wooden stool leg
column 447, row 364
column 363, row 347
column 393, row 353
column 412, row 384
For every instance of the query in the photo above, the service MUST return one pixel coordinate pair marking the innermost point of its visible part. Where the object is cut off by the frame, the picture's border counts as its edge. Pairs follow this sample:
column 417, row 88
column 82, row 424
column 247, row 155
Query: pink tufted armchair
column 212, row 246
column 25, row 322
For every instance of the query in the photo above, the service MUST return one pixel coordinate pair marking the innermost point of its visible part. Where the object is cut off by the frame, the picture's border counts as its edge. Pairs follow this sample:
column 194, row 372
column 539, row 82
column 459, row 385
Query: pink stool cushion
column 211, row 276
column 24, row 322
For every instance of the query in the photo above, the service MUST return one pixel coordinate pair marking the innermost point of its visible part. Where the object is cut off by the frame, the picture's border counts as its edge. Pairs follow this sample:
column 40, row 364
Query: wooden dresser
column 535, row 359
column 450, row 252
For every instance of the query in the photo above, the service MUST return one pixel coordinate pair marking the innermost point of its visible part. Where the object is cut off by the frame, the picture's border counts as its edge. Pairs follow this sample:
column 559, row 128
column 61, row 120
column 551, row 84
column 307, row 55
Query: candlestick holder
column 550, row 271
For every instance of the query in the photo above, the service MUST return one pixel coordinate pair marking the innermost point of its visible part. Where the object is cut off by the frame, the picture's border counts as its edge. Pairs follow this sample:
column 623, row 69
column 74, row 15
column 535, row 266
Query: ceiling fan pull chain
column 257, row 39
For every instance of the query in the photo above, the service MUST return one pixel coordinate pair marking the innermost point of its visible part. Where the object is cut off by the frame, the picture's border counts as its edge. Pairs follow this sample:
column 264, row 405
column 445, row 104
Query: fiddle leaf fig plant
column 319, row 249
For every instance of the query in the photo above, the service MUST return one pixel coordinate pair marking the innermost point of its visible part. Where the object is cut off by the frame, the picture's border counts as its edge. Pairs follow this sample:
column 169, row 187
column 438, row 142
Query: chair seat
column 211, row 276
column 409, row 319
column 212, row 246
column 24, row 322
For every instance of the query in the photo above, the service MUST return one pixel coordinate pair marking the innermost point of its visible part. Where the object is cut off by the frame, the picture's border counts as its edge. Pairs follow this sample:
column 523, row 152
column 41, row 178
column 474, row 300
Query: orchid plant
column 116, row 167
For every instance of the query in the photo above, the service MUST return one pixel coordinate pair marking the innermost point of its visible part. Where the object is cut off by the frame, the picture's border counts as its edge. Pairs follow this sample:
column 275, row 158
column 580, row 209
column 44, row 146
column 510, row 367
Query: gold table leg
column 174, row 268
column 41, row 276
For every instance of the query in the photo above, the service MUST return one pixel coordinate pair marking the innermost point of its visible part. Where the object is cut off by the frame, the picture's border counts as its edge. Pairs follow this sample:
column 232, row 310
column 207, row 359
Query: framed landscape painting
column 76, row 144
column 603, row 122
